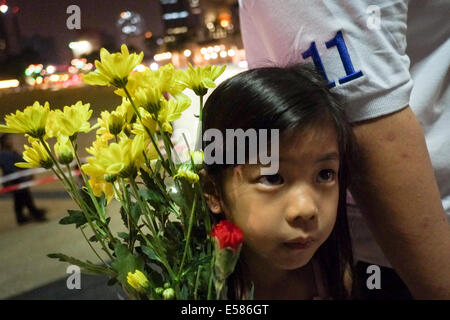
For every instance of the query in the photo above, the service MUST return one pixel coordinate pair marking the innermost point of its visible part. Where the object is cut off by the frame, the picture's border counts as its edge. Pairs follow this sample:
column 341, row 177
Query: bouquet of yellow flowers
column 170, row 249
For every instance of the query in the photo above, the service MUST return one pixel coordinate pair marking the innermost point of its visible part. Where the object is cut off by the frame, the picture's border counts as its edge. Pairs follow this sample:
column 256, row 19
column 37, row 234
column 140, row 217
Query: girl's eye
column 273, row 179
column 327, row 175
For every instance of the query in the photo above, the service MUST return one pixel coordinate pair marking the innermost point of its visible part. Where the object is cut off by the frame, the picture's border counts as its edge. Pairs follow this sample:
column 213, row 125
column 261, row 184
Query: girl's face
column 285, row 217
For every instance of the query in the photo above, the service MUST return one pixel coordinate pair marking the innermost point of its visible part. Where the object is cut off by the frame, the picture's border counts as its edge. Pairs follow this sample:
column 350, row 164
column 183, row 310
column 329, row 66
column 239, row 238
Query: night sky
column 48, row 18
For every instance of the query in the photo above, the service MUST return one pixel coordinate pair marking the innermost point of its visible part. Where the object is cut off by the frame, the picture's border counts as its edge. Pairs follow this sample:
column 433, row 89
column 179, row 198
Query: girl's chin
column 293, row 263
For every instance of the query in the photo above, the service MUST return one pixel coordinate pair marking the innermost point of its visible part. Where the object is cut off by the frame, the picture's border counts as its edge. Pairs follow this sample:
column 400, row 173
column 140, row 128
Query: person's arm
column 399, row 197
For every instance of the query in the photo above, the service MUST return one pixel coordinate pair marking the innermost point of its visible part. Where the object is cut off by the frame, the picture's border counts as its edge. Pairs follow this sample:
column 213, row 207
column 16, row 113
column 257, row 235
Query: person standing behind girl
column 22, row 197
column 296, row 238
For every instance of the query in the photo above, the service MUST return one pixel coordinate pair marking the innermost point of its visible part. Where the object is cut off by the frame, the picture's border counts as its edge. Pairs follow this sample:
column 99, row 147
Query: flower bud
column 168, row 294
column 185, row 172
column 138, row 281
column 159, row 291
column 110, row 177
column 227, row 245
column 63, row 150
column 197, row 158
column 115, row 123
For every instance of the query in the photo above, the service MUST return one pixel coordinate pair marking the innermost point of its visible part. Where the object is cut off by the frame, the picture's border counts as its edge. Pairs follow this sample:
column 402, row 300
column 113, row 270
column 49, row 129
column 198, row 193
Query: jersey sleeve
column 360, row 48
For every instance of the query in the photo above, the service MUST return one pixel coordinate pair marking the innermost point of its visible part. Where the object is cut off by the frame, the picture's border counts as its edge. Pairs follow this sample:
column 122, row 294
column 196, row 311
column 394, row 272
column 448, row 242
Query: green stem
column 126, row 205
column 100, row 209
column 73, row 193
column 158, row 244
column 198, row 142
column 197, row 281
column 143, row 207
column 49, row 152
column 145, row 128
column 168, row 150
column 211, row 274
column 188, row 237
column 90, row 245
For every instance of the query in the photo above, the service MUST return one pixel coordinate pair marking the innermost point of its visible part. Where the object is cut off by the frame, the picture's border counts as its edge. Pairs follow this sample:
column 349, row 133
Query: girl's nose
column 302, row 207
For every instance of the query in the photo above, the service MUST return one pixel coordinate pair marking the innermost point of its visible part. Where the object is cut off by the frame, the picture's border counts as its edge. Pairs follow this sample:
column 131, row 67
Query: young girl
column 296, row 238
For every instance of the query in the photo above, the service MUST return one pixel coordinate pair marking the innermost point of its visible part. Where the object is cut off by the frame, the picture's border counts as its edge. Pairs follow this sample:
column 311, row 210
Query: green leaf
column 135, row 211
column 124, row 216
column 184, row 293
column 155, row 197
column 87, row 198
column 75, row 217
column 126, row 262
column 123, row 235
column 150, row 253
column 87, row 267
column 148, row 181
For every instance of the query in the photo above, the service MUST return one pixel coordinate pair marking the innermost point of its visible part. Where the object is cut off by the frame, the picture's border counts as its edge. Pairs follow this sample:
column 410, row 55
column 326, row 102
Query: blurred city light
column 3, row 8
column 50, row 69
column 162, row 56
column 125, row 14
column 187, row 53
column 81, row 47
column 12, row 83
column 140, row 68
column 175, row 15
column 38, row 68
column 154, row 66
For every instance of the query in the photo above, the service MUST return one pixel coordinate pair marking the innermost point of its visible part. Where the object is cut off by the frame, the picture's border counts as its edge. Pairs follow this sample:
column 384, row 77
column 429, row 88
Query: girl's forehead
column 312, row 141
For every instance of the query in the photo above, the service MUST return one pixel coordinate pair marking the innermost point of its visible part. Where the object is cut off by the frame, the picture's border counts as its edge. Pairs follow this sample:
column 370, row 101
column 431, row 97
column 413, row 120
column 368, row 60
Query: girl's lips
column 299, row 244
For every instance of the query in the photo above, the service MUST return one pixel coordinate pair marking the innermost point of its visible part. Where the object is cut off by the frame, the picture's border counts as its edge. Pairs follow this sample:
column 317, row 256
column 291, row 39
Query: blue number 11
column 339, row 42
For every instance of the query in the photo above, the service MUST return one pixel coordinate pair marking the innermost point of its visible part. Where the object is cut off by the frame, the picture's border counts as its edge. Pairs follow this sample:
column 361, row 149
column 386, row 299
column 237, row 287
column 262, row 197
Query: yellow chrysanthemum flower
column 35, row 156
column 149, row 98
column 64, row 150
column 147, row 120
column 31, row 121
column 138, row 281
column 100, row 186
column 110, row 123
column 126, row 109
column 201, row 78
column 70, row 121
column 170, row 111
column 113, row 68
column 99, row 144
column 165, row 79
column 185, row 172
column 117, row 159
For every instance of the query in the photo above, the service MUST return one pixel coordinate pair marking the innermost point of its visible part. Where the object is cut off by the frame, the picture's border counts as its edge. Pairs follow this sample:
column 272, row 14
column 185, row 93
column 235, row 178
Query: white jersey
column 370, row 52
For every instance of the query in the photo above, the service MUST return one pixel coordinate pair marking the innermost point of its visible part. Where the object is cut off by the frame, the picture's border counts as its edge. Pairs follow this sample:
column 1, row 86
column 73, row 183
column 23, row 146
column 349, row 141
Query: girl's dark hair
column 288, row 99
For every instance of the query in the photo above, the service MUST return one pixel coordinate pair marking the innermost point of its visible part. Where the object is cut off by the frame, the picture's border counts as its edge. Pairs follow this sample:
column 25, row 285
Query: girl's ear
column 210, row 192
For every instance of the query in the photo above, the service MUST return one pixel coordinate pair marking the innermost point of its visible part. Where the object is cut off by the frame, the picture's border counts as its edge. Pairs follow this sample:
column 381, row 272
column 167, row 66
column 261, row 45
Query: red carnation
column 227, row 235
